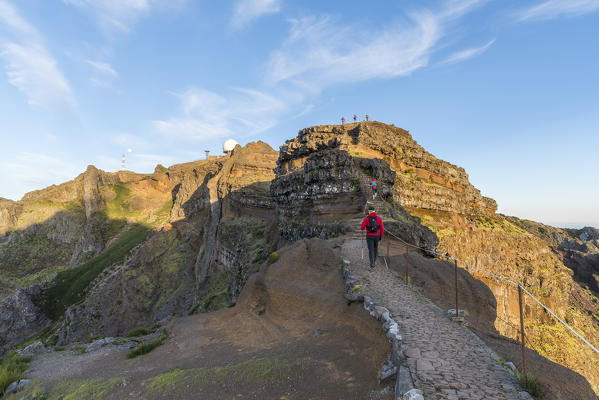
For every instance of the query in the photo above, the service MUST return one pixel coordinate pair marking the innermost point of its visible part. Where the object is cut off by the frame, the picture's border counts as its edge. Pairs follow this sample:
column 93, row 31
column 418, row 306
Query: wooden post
column 407, row 262
column 522, row 329
column 388, row 241
column 457, row 309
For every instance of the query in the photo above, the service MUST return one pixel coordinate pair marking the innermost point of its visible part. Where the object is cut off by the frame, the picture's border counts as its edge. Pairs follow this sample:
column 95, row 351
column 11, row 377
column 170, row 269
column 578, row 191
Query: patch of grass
column 261, row 370
column 164, row 213
column 147, row 347
column 141, row 331
column 84, row 389
column 529, row 383
column 69, row 286
column 12, row 369
column 357, row 288
column 79, row 349
column 272, row 258
column 118, row 208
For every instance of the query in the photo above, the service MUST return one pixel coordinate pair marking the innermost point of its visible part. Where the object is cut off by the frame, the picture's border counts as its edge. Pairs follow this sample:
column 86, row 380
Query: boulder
column 16, row 386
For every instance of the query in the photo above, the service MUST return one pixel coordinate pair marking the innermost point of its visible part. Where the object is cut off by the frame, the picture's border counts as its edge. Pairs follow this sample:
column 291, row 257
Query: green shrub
column 529, row 383
column 69, row 286
column 12, row 369
column 147, row 347
column 140, row 331
column 272, row 258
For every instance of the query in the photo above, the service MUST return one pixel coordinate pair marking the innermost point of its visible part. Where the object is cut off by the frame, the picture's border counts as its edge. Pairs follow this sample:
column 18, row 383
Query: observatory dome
column 229, row 145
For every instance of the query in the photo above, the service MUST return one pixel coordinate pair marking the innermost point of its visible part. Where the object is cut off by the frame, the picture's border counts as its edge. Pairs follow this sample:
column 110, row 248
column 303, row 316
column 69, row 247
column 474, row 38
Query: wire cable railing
column 500, row 278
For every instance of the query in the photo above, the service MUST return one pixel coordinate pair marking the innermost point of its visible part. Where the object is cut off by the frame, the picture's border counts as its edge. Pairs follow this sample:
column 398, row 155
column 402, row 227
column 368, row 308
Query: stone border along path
column 432, row 355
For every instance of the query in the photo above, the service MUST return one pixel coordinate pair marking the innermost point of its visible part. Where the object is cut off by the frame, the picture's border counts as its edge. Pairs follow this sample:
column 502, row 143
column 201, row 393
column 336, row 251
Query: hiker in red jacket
column 374, row 185
column 374, row 233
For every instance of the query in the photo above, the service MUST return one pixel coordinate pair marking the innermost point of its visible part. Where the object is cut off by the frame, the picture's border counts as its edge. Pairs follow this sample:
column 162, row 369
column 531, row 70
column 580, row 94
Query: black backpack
column 373, row 226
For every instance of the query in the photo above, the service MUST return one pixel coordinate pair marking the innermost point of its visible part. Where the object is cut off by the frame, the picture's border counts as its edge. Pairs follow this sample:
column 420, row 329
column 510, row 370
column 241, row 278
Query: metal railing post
column 457, row 310
column 522, row 328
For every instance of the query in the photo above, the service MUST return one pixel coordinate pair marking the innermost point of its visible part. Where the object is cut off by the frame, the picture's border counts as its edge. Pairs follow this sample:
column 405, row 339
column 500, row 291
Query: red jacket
column 379, row 222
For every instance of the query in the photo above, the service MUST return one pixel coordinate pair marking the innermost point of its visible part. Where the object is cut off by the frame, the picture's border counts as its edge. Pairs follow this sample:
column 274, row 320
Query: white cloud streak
column 466, row 54
column 103, row 68
column 205, row 114
column 320, row 51
column 246, row 11
column 552, row 9
column 30, row 67
column 120, row 15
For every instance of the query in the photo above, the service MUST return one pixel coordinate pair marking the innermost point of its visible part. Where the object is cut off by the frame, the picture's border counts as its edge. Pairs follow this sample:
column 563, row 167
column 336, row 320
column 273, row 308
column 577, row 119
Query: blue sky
column 507, row 89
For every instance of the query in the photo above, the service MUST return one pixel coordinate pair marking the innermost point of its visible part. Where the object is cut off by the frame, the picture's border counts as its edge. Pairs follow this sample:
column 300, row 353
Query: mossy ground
column 68, row 389
column 257, row 371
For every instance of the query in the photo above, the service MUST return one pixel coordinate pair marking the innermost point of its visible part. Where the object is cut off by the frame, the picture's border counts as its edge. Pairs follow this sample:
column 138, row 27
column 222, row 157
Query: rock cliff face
column 173, row 271
column 20, row 317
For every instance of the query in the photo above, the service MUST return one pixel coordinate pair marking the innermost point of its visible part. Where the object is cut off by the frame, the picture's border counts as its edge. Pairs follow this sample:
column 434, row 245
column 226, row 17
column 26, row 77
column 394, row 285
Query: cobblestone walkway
column 446, row 360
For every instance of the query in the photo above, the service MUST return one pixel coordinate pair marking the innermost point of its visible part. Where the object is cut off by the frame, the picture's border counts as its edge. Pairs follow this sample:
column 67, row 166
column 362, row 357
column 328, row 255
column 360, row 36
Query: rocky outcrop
column 20, row 317
column 325, row 187
column 422, row 181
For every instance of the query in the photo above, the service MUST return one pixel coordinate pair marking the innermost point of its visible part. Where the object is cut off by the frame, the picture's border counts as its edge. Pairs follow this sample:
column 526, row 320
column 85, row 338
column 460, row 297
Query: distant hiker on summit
column 374, row 233
column 355, row 117
column 342, row 120
column 373, row 185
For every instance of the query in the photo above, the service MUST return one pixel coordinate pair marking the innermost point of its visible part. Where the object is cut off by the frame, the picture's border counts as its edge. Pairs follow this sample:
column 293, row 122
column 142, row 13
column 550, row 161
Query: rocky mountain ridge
column 186, row 238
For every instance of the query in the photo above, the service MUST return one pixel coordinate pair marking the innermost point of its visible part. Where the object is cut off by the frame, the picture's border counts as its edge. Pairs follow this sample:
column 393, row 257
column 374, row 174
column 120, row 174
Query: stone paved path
column 447, row 361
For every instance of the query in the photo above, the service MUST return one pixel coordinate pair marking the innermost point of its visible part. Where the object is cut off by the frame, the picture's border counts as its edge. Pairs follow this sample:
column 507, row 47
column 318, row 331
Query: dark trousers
column 373, row 247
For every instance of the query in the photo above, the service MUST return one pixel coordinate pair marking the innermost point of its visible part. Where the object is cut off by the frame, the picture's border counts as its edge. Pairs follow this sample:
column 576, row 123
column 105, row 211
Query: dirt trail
column 290, row 336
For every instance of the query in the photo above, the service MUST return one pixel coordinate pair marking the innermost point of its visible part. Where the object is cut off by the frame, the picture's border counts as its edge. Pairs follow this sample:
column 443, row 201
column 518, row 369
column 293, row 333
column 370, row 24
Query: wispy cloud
column 245, row 11
column 35, row 170
column 552, row 9
column 119, row 14
column 205, row 114
column 103, row 68
column 30, row 67
column 466, row 54
column 322, row 51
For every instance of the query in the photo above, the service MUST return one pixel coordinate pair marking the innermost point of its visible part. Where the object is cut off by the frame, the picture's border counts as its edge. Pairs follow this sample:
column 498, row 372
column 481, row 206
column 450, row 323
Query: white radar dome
column 229, row 145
